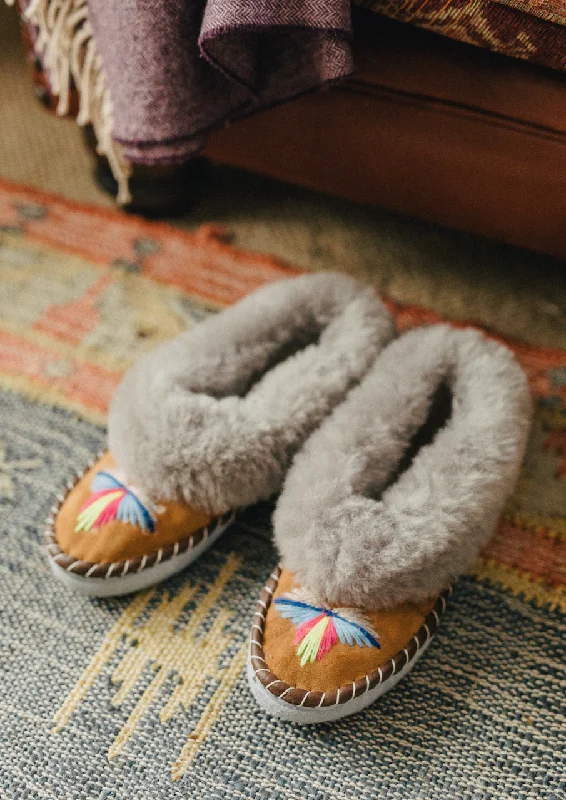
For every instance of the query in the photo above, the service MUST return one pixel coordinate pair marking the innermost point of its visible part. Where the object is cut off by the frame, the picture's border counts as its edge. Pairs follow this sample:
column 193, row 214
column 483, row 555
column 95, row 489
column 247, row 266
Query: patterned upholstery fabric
column 532, row 30
column 552, row 10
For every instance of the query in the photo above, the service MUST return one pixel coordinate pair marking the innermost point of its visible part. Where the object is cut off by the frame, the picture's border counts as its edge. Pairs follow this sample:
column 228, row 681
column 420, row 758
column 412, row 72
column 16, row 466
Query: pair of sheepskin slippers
column 392, row 456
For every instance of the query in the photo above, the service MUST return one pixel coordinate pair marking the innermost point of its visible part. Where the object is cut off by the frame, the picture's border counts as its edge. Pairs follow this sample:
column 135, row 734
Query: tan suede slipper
column 208, row 423
column 106, row 538
column 386, row 504
column 311, row 663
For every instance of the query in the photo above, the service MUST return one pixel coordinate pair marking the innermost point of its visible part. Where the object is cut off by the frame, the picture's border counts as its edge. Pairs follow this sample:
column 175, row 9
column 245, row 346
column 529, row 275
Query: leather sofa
column 432, row 127
column 429, row 126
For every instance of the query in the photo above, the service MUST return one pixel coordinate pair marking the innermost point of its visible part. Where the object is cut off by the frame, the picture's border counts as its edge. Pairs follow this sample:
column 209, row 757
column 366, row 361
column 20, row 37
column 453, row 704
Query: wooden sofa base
column 430, row 127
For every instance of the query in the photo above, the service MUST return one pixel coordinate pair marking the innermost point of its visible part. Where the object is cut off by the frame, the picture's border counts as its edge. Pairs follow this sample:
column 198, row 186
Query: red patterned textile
column 552, row 10
column 533, row 30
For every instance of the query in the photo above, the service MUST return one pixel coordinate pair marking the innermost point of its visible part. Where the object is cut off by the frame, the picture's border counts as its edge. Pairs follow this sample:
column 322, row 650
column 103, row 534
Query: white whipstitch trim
column 57, row 554
column 126, row 564
column 275, row 577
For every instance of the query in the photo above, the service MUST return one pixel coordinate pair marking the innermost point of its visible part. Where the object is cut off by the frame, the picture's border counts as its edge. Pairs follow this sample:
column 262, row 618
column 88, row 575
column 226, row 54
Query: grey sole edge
column 287, row 712
column 114, row 586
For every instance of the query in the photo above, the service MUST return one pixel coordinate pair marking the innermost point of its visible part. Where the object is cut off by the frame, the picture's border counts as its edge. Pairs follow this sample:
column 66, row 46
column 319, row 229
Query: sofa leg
column 156, row 191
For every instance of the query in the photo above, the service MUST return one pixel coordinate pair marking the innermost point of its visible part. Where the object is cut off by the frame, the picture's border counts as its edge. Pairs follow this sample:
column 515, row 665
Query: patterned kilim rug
column 145, row 698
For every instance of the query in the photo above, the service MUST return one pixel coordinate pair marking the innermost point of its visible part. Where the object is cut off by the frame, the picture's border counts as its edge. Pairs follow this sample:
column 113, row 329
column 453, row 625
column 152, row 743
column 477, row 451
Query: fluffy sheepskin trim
column 214, row 416
column 356, row 533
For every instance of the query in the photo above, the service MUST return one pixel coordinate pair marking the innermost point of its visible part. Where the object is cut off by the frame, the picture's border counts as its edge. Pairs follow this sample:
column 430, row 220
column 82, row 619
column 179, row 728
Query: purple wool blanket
column 177, row 69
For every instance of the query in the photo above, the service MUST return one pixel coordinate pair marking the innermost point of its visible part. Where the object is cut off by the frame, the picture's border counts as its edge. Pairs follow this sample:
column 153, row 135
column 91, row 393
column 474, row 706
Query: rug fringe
column 66, row 44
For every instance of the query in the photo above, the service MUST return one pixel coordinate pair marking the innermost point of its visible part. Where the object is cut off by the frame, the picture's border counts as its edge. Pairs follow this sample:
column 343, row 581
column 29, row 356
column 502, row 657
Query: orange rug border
column 209, row 235
column 213, row 234
column 133, row 220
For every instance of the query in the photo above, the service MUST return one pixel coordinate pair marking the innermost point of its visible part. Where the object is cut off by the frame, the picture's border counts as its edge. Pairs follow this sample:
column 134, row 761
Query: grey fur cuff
column 214, row 416
column 368, row 518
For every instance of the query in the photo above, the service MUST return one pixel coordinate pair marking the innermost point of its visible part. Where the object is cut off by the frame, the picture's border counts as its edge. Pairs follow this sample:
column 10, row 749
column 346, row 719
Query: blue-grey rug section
column 481, row 716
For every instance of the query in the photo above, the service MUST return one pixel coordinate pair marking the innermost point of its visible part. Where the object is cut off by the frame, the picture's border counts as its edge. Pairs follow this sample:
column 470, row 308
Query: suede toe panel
column 344, row 663
column 119, row 541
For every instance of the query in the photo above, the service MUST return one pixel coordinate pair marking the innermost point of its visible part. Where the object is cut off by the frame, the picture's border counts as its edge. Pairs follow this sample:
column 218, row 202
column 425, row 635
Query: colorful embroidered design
column 319, row 628
column 112, row 500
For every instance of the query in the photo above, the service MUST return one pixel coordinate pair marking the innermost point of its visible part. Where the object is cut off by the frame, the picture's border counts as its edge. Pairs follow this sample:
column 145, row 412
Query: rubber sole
column 115, row 586
column 301, row 715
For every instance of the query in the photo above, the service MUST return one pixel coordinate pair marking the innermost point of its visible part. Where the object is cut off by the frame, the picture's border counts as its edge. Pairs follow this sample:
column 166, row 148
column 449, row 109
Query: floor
column 518, row 293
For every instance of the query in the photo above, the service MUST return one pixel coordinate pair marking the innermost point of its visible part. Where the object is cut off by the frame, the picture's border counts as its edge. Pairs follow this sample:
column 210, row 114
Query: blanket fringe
column 66, row 44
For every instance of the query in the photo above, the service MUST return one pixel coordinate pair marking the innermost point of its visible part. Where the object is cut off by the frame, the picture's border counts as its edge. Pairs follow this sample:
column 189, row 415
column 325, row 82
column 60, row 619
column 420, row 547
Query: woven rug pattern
column 145, row 696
